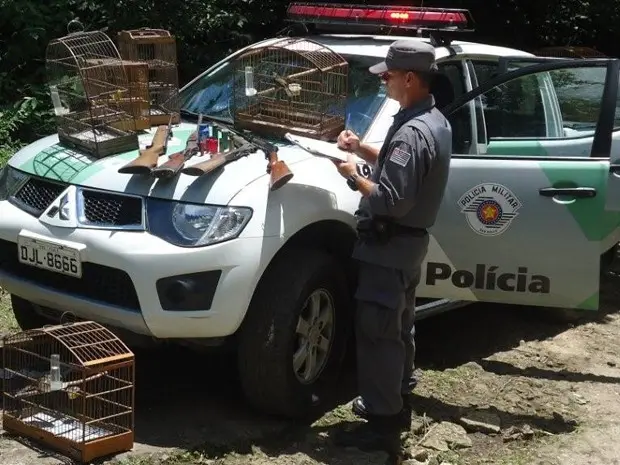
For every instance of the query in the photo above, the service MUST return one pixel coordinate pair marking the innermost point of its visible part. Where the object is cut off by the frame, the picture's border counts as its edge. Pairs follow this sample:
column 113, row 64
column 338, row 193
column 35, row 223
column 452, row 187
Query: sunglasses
column 391, row 74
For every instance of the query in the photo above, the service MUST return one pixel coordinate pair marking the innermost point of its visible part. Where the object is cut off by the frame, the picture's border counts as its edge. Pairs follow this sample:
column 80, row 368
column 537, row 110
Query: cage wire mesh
column 291, row 85
column 70, row 387
column 156, row 48
column 92, row 100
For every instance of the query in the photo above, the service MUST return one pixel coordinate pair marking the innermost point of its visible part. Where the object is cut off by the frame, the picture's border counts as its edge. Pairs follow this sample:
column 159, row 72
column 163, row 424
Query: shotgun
column 175, row 162
column 243, row 149
column 147, row 158
column 277, row 169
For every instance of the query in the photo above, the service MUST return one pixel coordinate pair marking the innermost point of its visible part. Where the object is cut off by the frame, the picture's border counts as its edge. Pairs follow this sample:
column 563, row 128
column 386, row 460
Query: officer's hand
column 346, row 168
column 347, row 140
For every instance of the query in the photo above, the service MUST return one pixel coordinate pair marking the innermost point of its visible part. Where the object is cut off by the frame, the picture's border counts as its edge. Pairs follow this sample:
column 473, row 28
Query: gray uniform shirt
column 411, row 174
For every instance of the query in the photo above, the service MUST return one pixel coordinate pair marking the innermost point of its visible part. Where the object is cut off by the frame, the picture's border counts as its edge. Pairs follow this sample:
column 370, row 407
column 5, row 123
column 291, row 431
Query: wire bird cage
column 71, row 388
column 156, row 48
column 90, row 91
column 292, row 85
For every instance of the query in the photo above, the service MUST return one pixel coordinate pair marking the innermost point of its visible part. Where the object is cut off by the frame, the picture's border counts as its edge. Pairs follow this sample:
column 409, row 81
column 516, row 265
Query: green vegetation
column 7, row 322
column 207, row 30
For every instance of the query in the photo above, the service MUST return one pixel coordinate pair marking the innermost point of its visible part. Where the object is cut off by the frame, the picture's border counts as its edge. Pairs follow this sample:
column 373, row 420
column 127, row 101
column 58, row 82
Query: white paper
column 65, row 427
column 317, row 147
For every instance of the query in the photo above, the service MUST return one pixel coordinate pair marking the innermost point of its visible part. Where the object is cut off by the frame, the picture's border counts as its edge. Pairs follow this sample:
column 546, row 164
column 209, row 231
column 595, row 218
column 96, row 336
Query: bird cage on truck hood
column 156, row 49
column 93, row 102
column 71, row 388
column 291, row 85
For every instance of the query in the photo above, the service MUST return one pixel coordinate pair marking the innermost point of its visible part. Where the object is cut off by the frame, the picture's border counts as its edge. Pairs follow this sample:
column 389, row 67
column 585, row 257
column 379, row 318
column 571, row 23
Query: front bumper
column 121, row 269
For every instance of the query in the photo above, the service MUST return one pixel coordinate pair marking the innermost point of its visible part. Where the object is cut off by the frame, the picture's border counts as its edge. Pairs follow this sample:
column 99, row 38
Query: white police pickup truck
column 530, row 214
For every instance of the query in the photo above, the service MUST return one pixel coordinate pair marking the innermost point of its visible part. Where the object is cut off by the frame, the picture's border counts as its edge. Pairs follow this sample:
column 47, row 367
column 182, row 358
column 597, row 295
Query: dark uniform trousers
column 385, row 336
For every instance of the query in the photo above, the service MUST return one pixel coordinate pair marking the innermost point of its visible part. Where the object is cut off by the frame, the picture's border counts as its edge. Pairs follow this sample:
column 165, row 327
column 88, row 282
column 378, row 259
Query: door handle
column 580, row 192
column 614, row 168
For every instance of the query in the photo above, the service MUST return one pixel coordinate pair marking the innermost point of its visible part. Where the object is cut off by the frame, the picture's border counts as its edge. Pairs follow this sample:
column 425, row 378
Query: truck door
column 525, row 226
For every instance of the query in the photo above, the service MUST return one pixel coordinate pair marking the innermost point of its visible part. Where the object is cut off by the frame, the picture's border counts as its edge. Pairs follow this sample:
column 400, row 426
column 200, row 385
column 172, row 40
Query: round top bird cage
column 291, row 85
column 70, row 386
column 91, row 94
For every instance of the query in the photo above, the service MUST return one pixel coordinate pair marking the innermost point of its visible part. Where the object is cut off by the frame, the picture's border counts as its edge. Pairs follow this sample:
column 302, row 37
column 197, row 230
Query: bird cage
column 291, row 85
column 70, row 387
column 157, row 49
column 91, row 94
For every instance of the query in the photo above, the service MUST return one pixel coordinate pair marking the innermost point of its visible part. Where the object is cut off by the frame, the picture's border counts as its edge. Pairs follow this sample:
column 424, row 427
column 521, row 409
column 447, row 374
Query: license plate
column 52, row 257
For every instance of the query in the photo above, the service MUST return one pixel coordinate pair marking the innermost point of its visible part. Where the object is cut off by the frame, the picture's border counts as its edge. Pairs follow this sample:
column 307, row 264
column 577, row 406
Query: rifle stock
column 278, row 170
column 147, row 158
column 176, row 161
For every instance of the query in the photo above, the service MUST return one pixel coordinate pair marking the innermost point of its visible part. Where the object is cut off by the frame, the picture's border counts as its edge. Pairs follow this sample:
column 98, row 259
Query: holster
column 381, row 230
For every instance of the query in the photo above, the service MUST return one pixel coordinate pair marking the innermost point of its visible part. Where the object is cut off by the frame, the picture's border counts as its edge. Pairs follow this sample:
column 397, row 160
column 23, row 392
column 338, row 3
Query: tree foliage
column 207, row 30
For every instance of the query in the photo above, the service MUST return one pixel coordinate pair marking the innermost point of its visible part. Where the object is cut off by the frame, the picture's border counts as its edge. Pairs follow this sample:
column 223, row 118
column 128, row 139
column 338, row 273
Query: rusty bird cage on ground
column 91, row 95
column 157, row 49
column 291, row 85
column 71, row 388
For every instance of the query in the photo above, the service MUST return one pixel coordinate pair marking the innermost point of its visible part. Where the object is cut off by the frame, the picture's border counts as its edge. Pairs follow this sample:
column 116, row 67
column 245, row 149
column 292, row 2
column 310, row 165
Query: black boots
column 403, row 418
column 378, row 433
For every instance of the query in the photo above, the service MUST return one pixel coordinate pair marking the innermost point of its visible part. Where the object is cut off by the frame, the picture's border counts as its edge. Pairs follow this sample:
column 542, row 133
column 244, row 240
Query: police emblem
column 489, row 208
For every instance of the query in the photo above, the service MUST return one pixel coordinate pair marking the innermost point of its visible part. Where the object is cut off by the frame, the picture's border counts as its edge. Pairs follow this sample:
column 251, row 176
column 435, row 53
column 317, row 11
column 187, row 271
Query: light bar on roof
column 389, row 16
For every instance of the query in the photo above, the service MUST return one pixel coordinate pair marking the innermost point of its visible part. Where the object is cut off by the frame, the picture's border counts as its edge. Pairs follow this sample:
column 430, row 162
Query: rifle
column 277, row 169
column 175, row 162
column 243, row 149
column 147, row 158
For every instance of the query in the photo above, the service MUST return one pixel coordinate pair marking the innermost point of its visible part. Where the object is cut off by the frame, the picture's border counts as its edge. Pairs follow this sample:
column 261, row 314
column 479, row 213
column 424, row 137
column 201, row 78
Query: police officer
column 399, row 203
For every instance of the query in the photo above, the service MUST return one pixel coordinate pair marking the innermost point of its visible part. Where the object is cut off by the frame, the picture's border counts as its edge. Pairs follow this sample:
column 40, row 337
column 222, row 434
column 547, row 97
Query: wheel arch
column 334, row 237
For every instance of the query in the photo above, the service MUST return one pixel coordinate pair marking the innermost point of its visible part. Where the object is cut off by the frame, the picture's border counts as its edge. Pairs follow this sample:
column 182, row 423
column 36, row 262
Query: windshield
column 212, row 94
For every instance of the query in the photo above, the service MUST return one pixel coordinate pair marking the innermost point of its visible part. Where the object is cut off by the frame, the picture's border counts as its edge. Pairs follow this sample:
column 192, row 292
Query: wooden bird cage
column 291, row 85
column 71, row 388
column 157, row 49
column 90, row 91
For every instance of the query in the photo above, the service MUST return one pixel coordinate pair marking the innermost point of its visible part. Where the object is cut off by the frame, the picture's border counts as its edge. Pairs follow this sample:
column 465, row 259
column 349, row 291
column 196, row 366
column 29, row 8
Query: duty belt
column 381, row 231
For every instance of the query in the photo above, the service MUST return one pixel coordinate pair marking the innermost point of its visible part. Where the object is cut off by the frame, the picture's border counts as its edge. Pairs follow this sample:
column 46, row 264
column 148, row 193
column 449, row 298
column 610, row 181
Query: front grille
column 38, row 194
column 107, row 209
column 97, row 208
column 98, row 282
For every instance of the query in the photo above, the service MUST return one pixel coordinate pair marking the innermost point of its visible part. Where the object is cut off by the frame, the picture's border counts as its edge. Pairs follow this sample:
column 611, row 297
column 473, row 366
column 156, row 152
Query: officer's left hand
column 346, row 168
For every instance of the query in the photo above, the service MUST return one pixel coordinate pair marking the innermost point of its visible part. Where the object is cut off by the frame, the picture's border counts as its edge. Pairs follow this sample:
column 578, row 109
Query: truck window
column 212, row 94
column 542, row 114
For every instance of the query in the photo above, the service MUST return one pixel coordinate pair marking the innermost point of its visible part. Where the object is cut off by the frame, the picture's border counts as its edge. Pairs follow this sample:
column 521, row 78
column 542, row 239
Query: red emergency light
column 387, row 16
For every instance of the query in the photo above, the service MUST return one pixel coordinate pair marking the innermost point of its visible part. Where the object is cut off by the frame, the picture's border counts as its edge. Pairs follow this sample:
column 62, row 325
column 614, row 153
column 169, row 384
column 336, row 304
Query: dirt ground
column 500, row 385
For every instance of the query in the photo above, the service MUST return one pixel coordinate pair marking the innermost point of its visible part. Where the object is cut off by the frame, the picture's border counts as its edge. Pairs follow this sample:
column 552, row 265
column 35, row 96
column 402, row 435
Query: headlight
column 11, row 181
column 192, row 225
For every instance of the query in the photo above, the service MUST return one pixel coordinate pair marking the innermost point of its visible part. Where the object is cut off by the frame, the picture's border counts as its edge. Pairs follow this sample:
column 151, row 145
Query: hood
column 47, row 159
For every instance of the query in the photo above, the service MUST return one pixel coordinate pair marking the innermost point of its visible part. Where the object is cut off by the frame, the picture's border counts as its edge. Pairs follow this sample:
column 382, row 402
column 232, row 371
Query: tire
column 25, row 314
column 269, row 339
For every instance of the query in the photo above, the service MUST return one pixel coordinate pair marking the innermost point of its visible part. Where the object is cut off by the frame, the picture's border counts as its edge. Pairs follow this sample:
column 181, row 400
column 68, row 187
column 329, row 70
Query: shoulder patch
column 400, row 157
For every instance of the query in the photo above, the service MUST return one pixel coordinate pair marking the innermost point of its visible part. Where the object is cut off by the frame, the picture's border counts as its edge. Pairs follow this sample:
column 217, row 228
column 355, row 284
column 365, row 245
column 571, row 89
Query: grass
column 7, row 321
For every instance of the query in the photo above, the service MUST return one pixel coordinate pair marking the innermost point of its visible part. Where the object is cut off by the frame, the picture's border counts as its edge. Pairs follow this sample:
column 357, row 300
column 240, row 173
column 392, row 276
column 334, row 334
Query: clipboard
column 317, row 147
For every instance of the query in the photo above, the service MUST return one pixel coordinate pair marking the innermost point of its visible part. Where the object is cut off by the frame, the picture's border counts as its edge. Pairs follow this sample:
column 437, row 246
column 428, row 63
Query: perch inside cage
column 291, row 85
column 156, row 48
column 90, row 93
column 70, row 387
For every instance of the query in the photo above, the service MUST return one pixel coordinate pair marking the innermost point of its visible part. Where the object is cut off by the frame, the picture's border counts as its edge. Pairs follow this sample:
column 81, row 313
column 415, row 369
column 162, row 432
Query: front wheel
column 293, row 340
